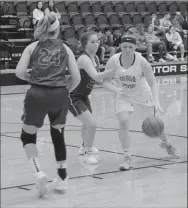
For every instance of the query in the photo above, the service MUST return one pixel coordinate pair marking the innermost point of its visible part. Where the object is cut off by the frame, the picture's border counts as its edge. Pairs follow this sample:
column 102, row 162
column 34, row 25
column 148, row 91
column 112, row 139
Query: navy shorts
column 78, row 104
column 42, row 101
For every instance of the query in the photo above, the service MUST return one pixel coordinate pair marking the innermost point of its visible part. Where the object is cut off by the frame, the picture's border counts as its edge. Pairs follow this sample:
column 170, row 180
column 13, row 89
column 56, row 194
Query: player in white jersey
column 134, row 84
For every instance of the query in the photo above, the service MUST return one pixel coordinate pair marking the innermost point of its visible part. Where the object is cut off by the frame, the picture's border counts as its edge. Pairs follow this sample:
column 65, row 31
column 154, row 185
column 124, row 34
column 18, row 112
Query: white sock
column 61, row 164
column 127, row 151
column 35, row 164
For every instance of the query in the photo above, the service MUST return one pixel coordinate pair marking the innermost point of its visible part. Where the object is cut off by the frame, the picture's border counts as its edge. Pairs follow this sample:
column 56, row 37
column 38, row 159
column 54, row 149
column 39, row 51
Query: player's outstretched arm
column 150, row 77
column 107, row 82
column 84, row 62
column 73, row 70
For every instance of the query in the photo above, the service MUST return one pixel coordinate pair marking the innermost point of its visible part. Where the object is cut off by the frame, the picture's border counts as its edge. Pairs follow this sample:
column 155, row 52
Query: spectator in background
column 52, row 9
column 178, row 22
column 101, row 50
column 174, row 42
column 185, row 21
column 38, row 13
column 116, row 37
column 140, row 38
column 154, row 43
column 156, row 25
column 106, row 41
column 165, row 22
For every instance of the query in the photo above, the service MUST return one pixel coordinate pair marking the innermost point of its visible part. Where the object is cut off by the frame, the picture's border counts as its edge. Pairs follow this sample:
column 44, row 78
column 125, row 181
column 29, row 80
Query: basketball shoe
column 82, row 150
column 60, row 185
column 90, row 159
column 171, row 150
column 41, row 183
column 127, row 163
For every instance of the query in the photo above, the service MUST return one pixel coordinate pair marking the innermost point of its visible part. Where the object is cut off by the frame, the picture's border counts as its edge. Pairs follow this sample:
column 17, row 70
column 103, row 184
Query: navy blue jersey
column 86, row 84
column 48, row 63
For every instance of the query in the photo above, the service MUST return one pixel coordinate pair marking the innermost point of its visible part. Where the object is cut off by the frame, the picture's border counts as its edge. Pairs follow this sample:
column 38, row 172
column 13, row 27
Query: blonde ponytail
column 42, row 31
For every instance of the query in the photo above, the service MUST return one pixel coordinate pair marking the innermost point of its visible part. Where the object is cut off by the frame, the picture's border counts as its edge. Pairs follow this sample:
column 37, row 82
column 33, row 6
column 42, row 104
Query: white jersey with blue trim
column 132, row 80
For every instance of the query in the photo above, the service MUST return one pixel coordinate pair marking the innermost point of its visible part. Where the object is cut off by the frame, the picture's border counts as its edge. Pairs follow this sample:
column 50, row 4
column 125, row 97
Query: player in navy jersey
column 47, row 59
column 134, row 85
column 79, row 104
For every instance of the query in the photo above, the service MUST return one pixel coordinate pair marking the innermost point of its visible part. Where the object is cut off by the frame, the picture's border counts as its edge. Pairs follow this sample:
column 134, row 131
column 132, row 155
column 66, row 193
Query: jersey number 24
column 48, row 58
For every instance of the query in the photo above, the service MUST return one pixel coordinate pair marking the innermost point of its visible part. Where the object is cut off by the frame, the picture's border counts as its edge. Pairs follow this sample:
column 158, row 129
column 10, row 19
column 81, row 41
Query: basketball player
column 47, row 60
column 79, row 104
column 133, row 83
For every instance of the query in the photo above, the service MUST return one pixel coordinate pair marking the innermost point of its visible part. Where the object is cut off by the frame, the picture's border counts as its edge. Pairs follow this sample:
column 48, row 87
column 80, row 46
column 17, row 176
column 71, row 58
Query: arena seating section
column 16, row 20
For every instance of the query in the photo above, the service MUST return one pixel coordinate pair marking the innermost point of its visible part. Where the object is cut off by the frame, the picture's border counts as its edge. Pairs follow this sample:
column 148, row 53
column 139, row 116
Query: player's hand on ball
column 158, row 108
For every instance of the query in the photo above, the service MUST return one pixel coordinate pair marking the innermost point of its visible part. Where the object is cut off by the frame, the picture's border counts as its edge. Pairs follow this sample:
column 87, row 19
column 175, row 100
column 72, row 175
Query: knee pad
column 28, row 138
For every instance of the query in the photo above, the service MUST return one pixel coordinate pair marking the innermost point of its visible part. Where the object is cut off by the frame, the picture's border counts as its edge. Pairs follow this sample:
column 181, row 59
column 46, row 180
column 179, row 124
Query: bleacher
column 16, row 20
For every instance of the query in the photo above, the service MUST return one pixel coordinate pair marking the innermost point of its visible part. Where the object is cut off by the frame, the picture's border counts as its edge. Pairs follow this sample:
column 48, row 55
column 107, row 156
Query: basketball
column 153, row 126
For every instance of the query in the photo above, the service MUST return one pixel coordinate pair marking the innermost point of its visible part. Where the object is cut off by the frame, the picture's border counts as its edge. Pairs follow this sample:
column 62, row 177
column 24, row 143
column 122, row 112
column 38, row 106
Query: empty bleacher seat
column 8, row 8
column 84, row 7
column 21, row 7
column 24, row 22
column 119, row 6
column 96, row 6
column 73, row 44
column 172, row 7
column 162, row 7
column 101, row 20
column 89, row 19
column 183, row 6
column 65, row 18
column 136, row 18
column 61, row 7
column 72, row 7
column 140, row 6
column 125, row 18
column 151, row 7
column 113, row 19
column 130, row 6
column 76, row 20
column 67, row 31
column 107, row 6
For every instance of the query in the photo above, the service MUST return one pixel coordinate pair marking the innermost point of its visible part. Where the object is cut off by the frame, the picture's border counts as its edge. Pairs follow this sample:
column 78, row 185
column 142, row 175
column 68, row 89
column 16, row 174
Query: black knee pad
column 57, row 135
column 59, row 143
column 28, row 138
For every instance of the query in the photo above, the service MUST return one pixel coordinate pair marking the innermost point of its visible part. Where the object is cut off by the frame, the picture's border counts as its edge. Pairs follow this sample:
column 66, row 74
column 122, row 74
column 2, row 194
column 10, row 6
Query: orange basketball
column 153, row 126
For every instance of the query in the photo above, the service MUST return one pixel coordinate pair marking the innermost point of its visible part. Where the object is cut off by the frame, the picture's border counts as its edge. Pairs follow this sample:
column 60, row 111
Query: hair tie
column 54, row 26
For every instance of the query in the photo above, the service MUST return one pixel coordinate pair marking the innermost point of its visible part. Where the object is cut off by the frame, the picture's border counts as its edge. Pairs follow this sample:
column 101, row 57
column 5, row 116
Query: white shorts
column 124, row 104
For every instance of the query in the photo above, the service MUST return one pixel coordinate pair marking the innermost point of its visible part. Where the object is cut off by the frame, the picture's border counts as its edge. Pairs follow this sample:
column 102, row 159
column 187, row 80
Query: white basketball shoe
column 41, row 183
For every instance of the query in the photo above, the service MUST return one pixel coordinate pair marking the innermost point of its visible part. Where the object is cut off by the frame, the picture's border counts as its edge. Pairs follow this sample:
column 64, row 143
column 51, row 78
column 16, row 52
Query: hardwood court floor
column 155, row 181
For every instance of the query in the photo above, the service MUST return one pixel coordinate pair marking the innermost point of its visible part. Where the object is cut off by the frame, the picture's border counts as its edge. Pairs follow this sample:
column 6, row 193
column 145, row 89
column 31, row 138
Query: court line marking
column 26, row 189
column 109, row 151
column 96, row 174
column 98, row 129
column 160, row 168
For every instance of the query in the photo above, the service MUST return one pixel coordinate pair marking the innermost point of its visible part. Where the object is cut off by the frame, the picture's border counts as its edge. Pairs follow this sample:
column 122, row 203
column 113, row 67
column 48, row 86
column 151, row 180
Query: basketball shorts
column 42, row 101
column 78, row 104
column 125, row 104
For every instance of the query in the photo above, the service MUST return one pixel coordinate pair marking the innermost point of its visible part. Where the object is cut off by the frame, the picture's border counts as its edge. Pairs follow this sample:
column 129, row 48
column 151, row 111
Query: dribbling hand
column 158, row 108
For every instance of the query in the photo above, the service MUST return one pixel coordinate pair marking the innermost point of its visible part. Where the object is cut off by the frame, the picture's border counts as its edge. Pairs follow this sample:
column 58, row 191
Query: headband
column 54, row 26
column 128, row 40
